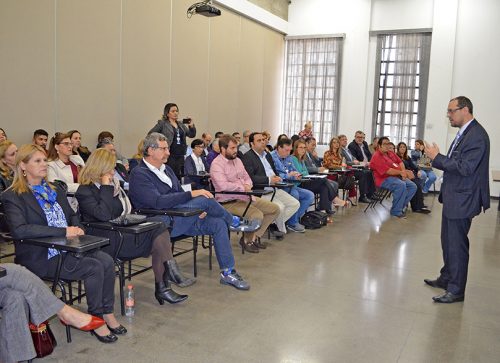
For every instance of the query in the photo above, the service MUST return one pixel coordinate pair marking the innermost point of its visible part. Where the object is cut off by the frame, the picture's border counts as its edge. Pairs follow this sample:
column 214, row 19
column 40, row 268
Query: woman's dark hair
column 104, row 135
column 167, row 108
column 405, row 154
column 56, row 140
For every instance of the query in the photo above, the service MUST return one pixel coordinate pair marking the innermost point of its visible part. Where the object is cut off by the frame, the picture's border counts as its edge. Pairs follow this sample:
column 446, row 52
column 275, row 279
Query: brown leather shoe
column 248, row 246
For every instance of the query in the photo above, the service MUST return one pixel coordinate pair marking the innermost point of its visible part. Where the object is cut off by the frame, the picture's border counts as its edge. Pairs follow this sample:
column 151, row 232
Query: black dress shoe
column 436, row 283
column 119, row 330
column 448, row 298
column 423, row 211
column 364, row 200
column 110, row 338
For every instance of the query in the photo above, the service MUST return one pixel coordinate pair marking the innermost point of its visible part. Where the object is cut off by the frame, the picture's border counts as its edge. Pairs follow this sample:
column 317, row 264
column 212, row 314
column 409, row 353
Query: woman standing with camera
column 176, row 134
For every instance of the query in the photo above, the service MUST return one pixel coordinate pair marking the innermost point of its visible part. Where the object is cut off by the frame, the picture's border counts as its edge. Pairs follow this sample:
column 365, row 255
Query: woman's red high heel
column 95, row 323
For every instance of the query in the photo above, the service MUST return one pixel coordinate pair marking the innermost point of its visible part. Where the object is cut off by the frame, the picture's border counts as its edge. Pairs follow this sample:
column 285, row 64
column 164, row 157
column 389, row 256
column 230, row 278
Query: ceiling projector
column 204, row 8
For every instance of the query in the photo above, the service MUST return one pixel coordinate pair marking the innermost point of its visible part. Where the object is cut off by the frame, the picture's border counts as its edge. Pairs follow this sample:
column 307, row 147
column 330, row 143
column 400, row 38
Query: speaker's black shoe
column 448, row 298
column 436, row 283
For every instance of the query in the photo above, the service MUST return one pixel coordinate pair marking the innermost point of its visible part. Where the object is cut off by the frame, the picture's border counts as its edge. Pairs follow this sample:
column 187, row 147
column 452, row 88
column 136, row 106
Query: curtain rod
column 400, row 31
column 315, row 36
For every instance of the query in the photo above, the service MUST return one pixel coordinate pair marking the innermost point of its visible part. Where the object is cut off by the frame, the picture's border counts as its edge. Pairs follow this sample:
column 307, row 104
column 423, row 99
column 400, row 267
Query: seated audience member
column 237, row 137
column 307, row 131
column 153, row 185
column 207, row 142
column 260, row 167
column 228, row 174
column 218, row 134
column 136, row 158
column 245, row 146
column 281, row 136
column 176, row 132
column 333, row 159
column 120, row 159
column 41, row 138
column 312, row 159
column 314, row 164
column 24, row 298
column 35, row 208
column 359, row 148
column 196, row 166
column 8, row 152
column 214, row 152
column 63, row 165
column 100, row 199
column 390, row 173
column 364, row 176
column 286, row 171
column 294, row 138
column 317, row 186
column 267, row 140
column 424, row 163
column 121, row 174
column 78, row 149
column 373, row 146
column 417, row 202
column 3, row 135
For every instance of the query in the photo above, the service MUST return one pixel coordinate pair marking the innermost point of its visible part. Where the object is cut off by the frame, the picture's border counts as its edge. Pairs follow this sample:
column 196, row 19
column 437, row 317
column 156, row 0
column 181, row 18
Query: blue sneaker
column 234, row 279
column 245, row 225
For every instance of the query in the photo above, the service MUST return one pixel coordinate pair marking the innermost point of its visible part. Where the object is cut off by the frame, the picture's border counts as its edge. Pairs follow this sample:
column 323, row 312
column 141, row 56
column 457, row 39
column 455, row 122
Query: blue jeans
column 305, row 198
column 215, row 224
column 402, row 191
column 429, row 178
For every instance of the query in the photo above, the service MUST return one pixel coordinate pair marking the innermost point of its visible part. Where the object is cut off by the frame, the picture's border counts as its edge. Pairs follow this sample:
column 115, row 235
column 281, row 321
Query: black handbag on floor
column 314, row 220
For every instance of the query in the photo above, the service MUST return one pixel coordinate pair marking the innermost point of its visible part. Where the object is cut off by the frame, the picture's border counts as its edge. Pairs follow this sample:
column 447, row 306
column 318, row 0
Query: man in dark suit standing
column 464, row 193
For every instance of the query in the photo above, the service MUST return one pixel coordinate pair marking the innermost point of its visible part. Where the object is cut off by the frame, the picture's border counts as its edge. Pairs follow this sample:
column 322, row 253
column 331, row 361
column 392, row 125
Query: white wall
column 464, row 57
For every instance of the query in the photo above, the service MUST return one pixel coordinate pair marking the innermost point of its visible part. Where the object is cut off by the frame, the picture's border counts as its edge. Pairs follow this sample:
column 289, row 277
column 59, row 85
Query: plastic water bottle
column 129, row 301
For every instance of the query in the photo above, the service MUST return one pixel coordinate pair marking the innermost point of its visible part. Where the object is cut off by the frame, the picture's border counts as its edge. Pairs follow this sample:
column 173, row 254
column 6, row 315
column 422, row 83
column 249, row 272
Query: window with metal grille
column 402, row 72
column 312, row 81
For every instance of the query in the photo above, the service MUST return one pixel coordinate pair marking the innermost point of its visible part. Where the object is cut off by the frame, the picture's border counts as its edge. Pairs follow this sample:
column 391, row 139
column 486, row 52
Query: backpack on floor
column 314, row 220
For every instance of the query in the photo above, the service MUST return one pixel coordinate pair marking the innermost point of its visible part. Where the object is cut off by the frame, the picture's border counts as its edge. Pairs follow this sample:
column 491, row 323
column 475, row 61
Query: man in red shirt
column 390, row 173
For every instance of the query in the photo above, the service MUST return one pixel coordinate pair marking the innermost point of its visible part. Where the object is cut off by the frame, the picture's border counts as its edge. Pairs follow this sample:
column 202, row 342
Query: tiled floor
column 350, row 292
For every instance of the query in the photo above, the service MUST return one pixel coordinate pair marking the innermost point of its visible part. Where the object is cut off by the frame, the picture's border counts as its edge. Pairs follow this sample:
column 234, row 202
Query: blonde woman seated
column 35, row 208
column 101, row 199
column 63, row 165
column 8, row 152
column 137, row 157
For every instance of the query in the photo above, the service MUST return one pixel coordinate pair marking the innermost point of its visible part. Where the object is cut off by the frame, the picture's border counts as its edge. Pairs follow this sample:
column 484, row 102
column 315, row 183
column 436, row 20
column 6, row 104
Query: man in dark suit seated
column 465, row 192
column 196, row 166
column 359, row 148
column 153, row 185
column 364, row 176
column 260, row 166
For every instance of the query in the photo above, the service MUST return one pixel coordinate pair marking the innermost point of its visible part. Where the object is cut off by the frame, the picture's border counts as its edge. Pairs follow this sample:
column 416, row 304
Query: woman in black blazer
column 101, row 199
column 35, row 208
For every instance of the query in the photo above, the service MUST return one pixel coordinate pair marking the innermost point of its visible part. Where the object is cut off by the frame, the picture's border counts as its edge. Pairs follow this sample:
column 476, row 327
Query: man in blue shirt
column 286, row 171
